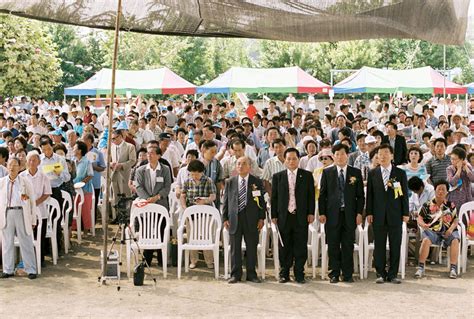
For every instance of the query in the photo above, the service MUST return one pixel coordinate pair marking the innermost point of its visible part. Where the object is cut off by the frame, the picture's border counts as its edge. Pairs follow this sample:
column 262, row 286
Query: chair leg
column 323, row 262
column 54, row 248
column 164, row 256
column 226, row 262
column 180, row 257
column 38, row 258
column 128, row 248
column 186, row 261
column 216, row 262
column 361, row 263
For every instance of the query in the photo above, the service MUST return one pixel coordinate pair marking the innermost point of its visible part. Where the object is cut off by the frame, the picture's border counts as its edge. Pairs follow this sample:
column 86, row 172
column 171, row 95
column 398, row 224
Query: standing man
column 123, row 158
column 153, row 183
column 17, row 218
column 341, row 202
column 98, row 165
column 293, row 203
column 244, row 212
column 387, row 207
column 398, row 144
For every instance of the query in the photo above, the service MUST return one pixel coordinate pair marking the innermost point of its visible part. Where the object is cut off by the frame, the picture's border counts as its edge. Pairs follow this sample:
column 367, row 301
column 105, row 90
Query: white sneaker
column 210, row 266
column 420, row 272
column 192, row 265
column 453, row 274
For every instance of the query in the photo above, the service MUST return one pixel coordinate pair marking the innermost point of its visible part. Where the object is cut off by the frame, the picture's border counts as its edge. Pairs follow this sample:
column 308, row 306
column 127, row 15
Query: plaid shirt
column 362, row 162
column 192, row 189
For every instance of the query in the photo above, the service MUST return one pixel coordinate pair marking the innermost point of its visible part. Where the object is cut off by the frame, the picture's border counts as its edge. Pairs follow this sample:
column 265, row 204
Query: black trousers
column 56, row 194
column 340, row 239
column 295, row 250
column 250, row 235
column 96, row 194
column 148, row 253
column 44, row 244
column 395, row 241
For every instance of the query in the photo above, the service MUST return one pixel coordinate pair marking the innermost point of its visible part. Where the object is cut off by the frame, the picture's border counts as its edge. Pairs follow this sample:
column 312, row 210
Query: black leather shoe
column 334, row 280
column 394, row 281
column 4, row 275
column 350, row 279
column 254, row 280
column 32, row 276
column 233, row 280
column 283, row 280
column 301, row 280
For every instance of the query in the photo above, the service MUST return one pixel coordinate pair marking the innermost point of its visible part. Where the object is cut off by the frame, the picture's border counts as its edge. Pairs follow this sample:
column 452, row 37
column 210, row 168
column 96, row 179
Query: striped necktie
column 242, row 194
column 385, row 176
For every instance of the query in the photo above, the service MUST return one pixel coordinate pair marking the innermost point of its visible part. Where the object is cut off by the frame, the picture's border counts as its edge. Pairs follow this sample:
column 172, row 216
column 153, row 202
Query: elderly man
column 42, row 191
column 17, row 218
column 244, row 212
column 229, row 164
column 153, row 184
column 123, row 158
column 439, row 220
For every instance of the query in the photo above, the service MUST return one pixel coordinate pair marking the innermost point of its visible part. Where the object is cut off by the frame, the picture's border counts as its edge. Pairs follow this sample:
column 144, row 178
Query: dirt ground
column 71, row 290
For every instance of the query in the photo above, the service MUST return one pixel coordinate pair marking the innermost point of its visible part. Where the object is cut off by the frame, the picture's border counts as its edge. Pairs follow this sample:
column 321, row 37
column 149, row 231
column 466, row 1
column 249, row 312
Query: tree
column 28, row 58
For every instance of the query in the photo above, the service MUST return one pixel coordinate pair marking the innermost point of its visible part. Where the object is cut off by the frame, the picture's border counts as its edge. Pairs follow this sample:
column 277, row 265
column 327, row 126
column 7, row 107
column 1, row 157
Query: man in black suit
column 293, row 202
column 398, row 144
column 244, row 212
column 387, row 207
column 341, row 202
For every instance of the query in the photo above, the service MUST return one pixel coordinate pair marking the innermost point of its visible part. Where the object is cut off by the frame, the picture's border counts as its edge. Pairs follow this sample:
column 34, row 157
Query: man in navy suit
column 341, row 203
column 387, row 208
column 293, row 203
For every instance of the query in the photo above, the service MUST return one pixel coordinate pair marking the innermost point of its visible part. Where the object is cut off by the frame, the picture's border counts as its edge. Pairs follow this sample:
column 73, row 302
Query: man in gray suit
column 244, row 212
column 153, row 183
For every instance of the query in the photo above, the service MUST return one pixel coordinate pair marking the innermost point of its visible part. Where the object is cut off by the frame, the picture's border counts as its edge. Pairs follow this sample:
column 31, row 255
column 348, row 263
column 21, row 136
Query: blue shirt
column 55, row 159
column 96, row 157
column 84, row 169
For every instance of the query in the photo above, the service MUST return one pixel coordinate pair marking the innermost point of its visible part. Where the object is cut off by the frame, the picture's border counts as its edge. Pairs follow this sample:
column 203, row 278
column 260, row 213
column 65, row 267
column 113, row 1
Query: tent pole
column 444, row 67
column 109, row 142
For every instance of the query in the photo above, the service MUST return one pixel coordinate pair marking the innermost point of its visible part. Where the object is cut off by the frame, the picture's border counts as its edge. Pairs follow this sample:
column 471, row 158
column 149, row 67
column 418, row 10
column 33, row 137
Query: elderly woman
column 460, row 177
column 311, row 148
column 84, row 173
column 327, row 159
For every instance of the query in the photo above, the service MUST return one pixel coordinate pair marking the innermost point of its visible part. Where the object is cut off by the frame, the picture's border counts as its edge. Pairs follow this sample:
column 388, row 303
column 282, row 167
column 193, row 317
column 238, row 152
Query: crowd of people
column 394, row 161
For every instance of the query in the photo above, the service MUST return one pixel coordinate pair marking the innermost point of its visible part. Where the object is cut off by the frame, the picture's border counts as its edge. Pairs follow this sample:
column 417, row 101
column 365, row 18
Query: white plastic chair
column 66, row 210
column 314, row 238
column 369, row 250
column 262, row 237
column 52, row 206
column 205, row 229
column 150, row 219
column 464, row 212
column 78, row 203
column 358, row 254
column 448, row 250
column 36, row 242
column 275, row 251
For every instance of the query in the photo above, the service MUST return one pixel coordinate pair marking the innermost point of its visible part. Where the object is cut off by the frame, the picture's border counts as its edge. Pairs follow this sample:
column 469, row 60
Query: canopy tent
column 259, row 80
column 423, row 80
column 438, row 21
column 158, row 81
column 470, row 88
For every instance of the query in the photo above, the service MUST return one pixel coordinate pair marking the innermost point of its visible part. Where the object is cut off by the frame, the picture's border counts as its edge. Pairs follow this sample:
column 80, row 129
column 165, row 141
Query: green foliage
column 28, row 58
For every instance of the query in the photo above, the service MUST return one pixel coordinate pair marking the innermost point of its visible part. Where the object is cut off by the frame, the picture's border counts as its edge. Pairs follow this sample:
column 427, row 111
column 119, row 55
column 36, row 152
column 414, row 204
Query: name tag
column 256, row 193
column 159, row 179
column 396, row 185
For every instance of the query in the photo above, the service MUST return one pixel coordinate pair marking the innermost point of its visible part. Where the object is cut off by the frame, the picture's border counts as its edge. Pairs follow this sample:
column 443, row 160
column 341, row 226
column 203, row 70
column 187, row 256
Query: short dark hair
column 447, row 133
column 360, row 136
column 89, row 137
column 208, row 144
column 441, row 182
column 196, row 166
column 440, row 140
column 156, row 149
column 278, row 141
column 45, row 140
column 81, row 146
column 393, row 125
column 291, row 150
column 416, row 149
column 194, row 153
column 385, row 147
column 4, row 153
column 345, row 131
column 459, row 152
column 339, row 147
column 415, row 184
column 61, row 147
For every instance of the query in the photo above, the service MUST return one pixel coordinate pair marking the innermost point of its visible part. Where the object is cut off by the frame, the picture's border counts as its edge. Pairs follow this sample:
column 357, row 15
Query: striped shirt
column 437, row 168
column 272, row 166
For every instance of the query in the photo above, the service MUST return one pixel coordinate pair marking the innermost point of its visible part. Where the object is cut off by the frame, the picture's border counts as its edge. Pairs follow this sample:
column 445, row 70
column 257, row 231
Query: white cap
column 371, row 125
column 370, row 139
column 400, row 126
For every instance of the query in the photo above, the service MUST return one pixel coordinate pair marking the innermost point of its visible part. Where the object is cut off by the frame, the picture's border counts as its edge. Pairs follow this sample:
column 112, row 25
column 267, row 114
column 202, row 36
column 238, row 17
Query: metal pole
column 444, row 67
column 109, row 142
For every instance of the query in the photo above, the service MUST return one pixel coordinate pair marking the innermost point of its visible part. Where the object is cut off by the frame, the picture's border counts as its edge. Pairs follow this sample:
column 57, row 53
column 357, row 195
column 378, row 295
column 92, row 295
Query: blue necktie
column 341, row 186
column 242, row 193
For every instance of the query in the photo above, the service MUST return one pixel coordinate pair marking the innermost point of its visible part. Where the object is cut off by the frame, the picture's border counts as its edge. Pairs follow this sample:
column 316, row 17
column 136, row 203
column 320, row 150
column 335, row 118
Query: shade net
column 437, row 21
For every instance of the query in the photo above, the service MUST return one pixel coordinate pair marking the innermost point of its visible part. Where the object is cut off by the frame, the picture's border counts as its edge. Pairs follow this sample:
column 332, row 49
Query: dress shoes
column 254, row 280
column 32, row 276
column 300, row 280
column 283, row 280
column 233, row 280
column 394, row 281
column 350, row 280
column 334, row 280
column 4, row 275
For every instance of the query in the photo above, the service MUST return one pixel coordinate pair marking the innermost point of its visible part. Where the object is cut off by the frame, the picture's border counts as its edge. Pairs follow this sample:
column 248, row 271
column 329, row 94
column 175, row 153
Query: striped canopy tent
column 259, row 80
column 424, row 80
column 157, row 81
column 470, row 88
